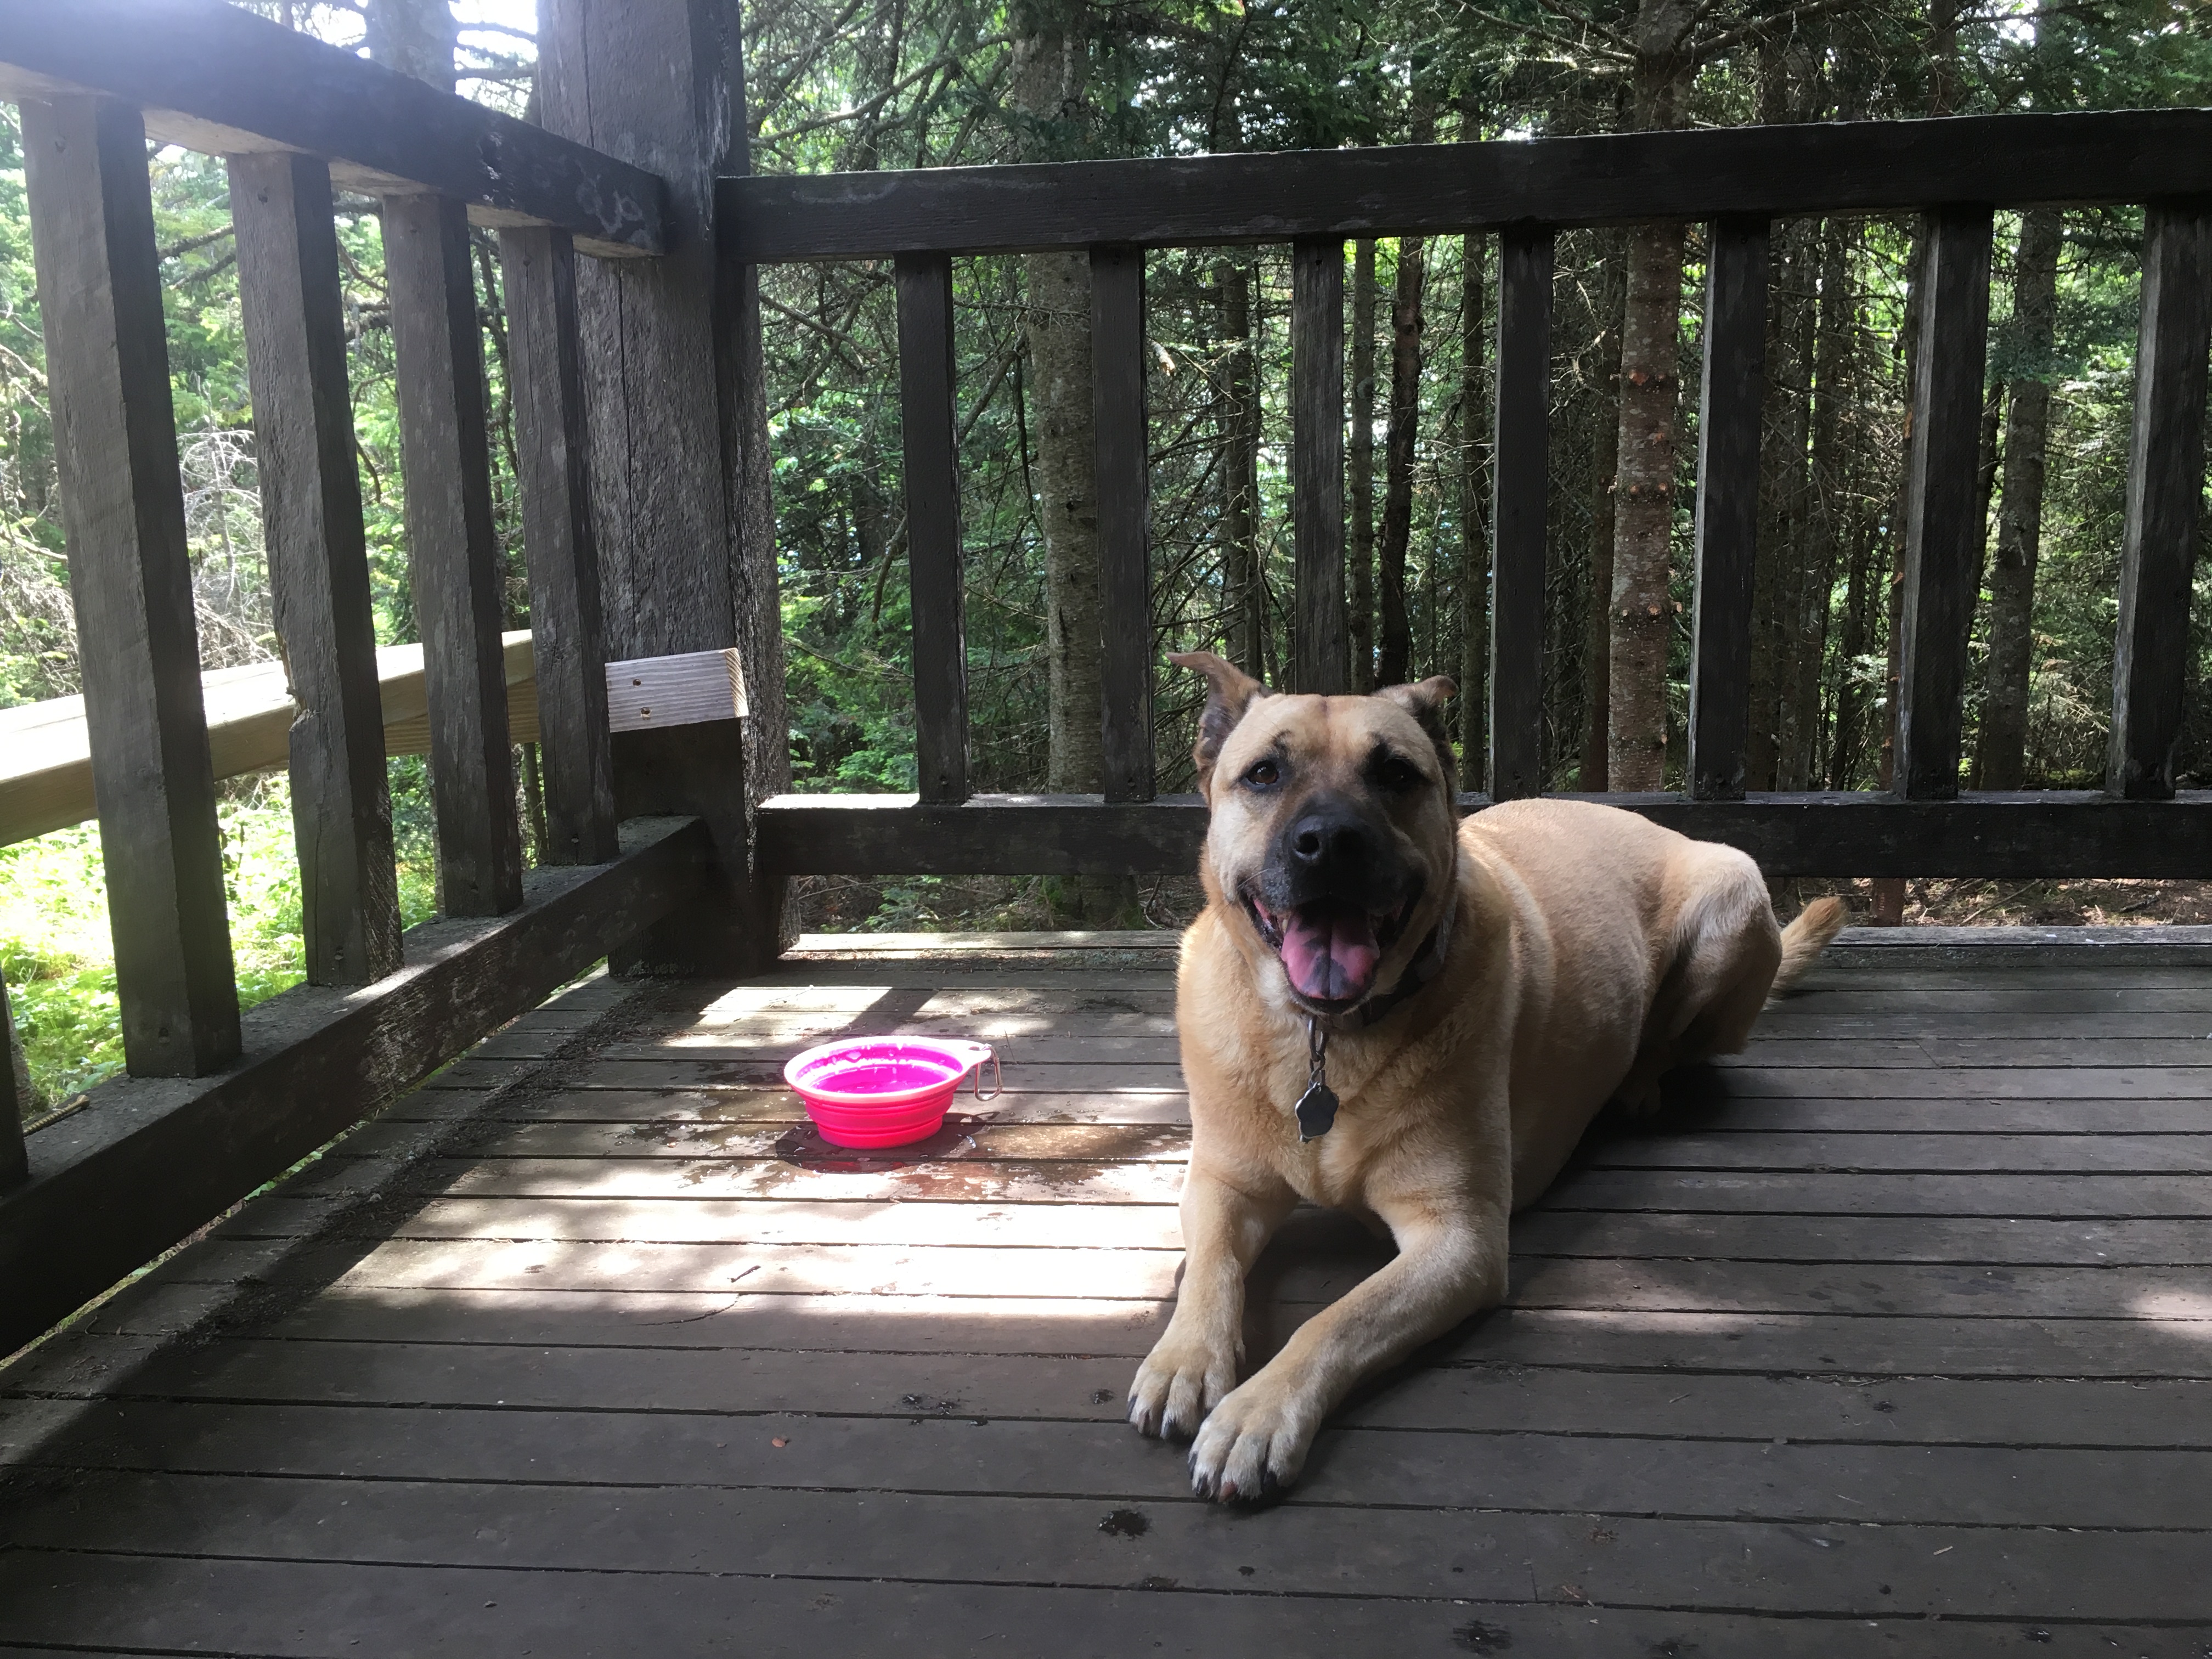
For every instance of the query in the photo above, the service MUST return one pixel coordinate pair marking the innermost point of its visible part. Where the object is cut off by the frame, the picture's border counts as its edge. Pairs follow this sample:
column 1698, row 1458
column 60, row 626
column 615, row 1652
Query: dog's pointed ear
column 1426, row 703
column 1229, row 692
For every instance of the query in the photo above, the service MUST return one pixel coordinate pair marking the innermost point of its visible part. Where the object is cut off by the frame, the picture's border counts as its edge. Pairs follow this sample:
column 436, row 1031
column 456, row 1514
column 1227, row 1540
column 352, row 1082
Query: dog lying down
column 1393, row 1012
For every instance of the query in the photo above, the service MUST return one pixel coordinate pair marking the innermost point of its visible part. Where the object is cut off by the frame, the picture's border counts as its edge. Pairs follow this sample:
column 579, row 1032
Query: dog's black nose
column 1323, row 840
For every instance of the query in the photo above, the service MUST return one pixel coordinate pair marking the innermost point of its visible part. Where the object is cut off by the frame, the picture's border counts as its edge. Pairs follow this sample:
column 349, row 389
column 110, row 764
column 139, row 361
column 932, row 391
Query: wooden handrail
column 1428, row 189
column 2015, row 834
column 46, row 751
column 212, row 78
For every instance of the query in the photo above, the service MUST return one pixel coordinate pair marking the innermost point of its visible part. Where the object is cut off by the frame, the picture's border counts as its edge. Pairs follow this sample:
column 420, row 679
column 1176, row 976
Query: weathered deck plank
column 1890, row 1335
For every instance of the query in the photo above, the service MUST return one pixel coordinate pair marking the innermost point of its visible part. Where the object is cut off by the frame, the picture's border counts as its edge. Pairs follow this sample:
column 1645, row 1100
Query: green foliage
column 57, row 959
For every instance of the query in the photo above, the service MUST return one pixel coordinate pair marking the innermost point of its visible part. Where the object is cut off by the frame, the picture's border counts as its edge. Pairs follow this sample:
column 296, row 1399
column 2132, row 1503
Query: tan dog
column 1483, row 988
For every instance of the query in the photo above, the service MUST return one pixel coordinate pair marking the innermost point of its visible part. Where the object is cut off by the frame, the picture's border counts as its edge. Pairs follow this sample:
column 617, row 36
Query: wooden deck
column 1895, row 1338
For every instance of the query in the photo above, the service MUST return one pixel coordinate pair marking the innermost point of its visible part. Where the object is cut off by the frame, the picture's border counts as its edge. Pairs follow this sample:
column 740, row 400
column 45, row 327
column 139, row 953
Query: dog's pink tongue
column 1330, row 952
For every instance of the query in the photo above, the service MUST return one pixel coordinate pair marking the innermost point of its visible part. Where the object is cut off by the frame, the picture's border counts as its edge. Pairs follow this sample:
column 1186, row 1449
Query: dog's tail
column 1806, row 937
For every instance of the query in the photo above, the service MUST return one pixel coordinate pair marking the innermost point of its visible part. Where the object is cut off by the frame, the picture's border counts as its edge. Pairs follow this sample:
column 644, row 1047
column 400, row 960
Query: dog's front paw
column 1180, row 1382
column 1253, row 1445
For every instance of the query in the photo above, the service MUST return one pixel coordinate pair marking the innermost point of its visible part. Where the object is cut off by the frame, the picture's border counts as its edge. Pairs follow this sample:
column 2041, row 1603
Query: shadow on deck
column 1895, row 1337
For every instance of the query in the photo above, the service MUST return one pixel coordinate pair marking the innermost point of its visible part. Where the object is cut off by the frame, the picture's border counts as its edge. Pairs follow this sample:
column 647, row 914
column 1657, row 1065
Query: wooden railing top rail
column 1863, row 166
column 46, row 748
column 212, row 78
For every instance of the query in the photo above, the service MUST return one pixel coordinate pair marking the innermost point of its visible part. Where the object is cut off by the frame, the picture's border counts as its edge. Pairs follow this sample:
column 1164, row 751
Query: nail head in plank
column 1320, row 645
column 296, row 356
column 537, row 272
column 933, row 519
column 1729, row 428
column 1520, row 484
column 215, row 78
column 1946, row 527
column 689, row 689
column 2165, row 490
column 122, row 513
column 1124, row 495
column 453, row 553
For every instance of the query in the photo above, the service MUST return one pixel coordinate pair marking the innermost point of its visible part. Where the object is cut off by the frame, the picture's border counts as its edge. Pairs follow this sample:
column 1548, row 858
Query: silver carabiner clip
column 998, row 1076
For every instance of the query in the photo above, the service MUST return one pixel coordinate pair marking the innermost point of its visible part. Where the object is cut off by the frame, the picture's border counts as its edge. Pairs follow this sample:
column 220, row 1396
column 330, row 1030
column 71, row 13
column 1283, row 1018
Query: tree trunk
column 1361, row 621
column 1642, row 606
column 1641, row 602
column 1795, row 593
column 1049, row 91
column 1051, row 56
column 2000, row 753
column 1058, row 329
column 1243, row 589
column 1605, row 479
column 1824, row 496
column 1474, row 521
column 1901, row 511
column 1393, row 662
column 1769, row 630
column 416, row 37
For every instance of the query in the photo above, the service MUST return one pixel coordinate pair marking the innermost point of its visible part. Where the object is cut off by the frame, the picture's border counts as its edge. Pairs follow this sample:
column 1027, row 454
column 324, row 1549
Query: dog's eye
column 1399, row 775
column 1262, row 774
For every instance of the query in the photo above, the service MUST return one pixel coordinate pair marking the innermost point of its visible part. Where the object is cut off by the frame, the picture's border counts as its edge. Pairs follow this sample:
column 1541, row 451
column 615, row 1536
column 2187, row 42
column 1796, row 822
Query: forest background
column 848, row 85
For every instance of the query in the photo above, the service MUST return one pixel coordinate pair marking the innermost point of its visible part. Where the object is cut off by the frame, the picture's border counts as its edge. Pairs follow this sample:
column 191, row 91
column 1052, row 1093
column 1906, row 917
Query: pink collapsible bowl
column 885, row 1091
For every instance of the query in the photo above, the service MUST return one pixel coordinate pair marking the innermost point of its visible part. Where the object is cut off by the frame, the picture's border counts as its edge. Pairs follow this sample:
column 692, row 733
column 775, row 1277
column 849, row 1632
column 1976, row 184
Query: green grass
column 58, row 960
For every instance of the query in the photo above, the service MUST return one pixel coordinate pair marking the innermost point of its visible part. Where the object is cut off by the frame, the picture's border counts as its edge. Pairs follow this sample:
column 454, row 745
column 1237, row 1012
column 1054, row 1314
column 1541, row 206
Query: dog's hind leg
column 1726, row 949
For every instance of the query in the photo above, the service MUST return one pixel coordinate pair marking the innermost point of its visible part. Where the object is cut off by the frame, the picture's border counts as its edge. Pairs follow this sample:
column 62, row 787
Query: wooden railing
column 217, row 1104
column 1954, row 172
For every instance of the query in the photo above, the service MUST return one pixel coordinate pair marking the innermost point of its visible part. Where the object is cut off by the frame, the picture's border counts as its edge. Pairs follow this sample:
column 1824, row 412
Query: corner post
column 670, row 351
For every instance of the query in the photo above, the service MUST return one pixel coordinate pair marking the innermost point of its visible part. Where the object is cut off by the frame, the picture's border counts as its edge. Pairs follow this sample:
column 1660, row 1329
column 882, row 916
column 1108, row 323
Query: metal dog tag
column 1317, row 1111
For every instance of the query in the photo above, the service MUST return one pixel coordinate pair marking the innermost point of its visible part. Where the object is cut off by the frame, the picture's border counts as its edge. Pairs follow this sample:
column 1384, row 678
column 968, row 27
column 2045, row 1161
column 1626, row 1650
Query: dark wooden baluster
column 932, row 524
column 1522, row 479
column 15, row 1165
column 2165, row 485
column 296, row 356
column 123, row 511
column 537, row 268
column 1944, row 531
column 1320, row 644
column 453, row 552
column 1123, row 483
column 1728, row 506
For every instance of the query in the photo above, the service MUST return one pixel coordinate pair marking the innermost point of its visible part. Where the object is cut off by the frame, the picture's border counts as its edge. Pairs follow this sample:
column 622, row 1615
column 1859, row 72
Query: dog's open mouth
column 1330, row 948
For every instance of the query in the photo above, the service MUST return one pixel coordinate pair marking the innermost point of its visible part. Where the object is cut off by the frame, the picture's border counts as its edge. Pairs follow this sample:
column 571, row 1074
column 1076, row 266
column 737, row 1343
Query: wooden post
column 1946, row 526
column 295, row 347
column 453, row 554
column 1728, row 506
column 1124, row 496
column 15, row 1162
column 123, row 512
column 567, row 632
column 2166, row 486
column 678, row 462
column 932, row 526
column 1319, row 647
column 1521, row 482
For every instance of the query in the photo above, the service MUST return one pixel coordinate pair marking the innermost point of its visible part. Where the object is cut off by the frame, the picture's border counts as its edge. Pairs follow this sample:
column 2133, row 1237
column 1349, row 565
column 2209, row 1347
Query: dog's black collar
column 1428, row 962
